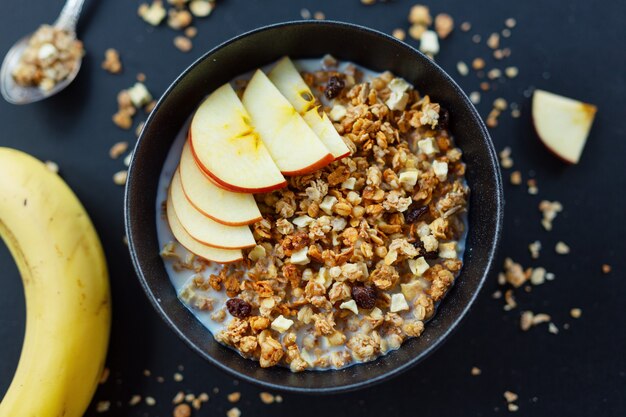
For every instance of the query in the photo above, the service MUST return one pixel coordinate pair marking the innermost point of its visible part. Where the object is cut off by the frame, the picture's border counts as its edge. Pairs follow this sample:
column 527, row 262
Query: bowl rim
column 397, row 370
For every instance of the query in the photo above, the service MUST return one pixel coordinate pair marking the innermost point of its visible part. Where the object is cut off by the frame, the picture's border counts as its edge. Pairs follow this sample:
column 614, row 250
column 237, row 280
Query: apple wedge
column 195, row 247
column 294, row 146
column 290, row 83
column 228, row 149
column 226, row 207
column 562, row 124
column 202, row 228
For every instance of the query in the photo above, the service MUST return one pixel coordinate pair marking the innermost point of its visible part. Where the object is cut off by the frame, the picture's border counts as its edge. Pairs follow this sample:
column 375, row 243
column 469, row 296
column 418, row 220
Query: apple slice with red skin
column 209, row 253
column 294, row 146
column 202, row 228
column 223, row 206
column 228, row 149
column 289, row 82
column 562, row 124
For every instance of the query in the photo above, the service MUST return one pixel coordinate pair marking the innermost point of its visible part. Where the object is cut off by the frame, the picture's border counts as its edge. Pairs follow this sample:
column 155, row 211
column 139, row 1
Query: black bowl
column 309, row 39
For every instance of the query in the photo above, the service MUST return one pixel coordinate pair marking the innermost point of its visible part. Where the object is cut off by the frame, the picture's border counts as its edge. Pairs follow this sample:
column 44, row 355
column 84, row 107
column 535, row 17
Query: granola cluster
column 350, row 260
column 51, row 56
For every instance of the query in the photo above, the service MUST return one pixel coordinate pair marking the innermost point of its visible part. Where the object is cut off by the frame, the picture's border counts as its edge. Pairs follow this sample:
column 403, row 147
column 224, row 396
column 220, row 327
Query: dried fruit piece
column 364, row 296
column 238, row 308
column 334, row 87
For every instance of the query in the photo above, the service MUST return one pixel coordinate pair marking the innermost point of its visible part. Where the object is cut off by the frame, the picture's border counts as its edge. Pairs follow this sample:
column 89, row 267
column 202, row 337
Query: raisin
column 238, row 308
column 365, row 297
column 444, row 118
column 422, row 251
column 334, row 87
column 414, row 213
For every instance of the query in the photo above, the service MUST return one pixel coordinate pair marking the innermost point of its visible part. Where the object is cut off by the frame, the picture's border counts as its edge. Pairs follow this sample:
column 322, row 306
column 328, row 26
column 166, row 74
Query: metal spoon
column 17, row 94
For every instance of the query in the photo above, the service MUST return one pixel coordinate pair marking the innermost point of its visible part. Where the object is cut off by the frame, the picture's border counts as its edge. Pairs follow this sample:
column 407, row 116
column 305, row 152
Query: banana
column 68, row 306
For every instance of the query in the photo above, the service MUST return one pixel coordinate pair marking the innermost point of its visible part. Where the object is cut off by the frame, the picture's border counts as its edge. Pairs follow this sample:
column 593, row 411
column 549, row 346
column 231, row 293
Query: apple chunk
column 295, row 148
column 202, row 228
column 228, row 149
column 195, row 247
column 562, row 124
column 290, row 83
column 223, row 206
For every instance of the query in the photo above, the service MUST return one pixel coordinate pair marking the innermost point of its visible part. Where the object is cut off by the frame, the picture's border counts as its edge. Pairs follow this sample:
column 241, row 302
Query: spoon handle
column 69, row 15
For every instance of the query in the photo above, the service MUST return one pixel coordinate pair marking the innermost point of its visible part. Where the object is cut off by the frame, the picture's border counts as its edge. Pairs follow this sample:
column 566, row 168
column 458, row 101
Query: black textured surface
column 572, row 47
column 313, row 39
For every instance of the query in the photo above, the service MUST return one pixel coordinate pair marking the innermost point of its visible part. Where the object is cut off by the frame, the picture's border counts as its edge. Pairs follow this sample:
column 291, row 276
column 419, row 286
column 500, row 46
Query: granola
column 351, row 260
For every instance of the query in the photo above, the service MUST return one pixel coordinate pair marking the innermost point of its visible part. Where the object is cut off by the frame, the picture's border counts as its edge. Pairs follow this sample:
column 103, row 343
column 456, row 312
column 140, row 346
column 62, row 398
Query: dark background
column 573, row 47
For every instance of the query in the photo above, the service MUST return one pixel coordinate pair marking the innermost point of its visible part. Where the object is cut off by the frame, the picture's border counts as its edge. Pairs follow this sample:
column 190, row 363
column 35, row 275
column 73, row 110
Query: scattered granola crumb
column 203, row 397
column 561, row 248
column 505, row 158
column 462, row 68
column 575, row 313
column 150, row 401
column 399, row 34
column 104, row 376
column 444, row 25
column 532, row 186
column 179, row 19
column 493, row 41
column 516, row 113
column 509, row 299
column 119, row 178
column 234, row 397
column 476, row 371
column 52, row 166
column 538, row 276
column 416, row 31
column 178, row 377
column 112, row 61
column 475, row 97
column 368, row 2
column 152, row 14
column 178, row 398
column 511, row 72
column 146, row 372
column 476, row 38
column 305, row 13
column 516, row 178
column 478, row 63
column 319, row 15
column 534, row 249
column 506, row 33
column 182, row 410
column 134, row 400
column 103, row 406
column 233, row 412
column 510, row 23
column 420, row 15
column 553, row 329
column 201, row 8
column 183, row 43
column 512, row 407
column 267, row 398
column 549, row 211
column 118, row 149
column 191, row 32
column 160, row 379
column 510, row 396
column 606, row 268
column 485, row 86
column 465, row 26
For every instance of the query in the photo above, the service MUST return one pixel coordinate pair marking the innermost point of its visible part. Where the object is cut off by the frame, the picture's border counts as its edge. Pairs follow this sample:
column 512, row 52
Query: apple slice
column 226, row 207
column 295, row 148
column 562, row 124
column 325, row 130
column 290, row 83
column 228, row 149
column 202, row 228
column 195, row 247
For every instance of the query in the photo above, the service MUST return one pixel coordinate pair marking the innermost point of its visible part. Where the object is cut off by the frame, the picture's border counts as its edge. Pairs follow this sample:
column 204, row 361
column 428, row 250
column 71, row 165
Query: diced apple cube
column 448, row 250
column 300, row 257
column 257, row 253
column 350, row 305
column 428, row 146
column 411, row 289
column 337, row 113
column 281, row 324
column 349, row 183
column 303, row 221
column 408, row 178
column 327, row 204
column 398, row 303
column 418, row 266
column 441, row 170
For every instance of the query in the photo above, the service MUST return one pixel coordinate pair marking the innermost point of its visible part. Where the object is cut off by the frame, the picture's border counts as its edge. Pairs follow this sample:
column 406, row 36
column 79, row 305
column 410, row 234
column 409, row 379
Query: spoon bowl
column 17, row 94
